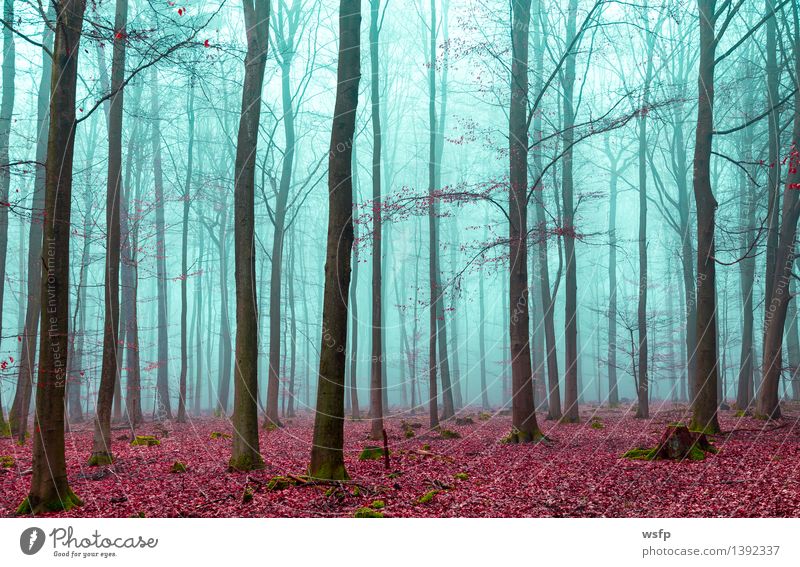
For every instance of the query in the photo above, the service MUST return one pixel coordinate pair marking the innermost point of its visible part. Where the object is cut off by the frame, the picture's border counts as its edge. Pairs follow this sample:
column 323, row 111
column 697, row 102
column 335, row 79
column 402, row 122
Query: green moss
column 427, row 497
column 329, row 471
column 596, row 424
column 245, row 463
column 24, row 508
column 449, row 434
column 277, row 483
column 461, row 476
column 395, row 474
column 5, row 429
column 356, row 491
column 367, row 513
column 138, row 515
column 270, row 426
column 68, row 502
column 377, row 504
column 426, row 447
column 220, row 435
column 484, row 416
column 696, row 454
column 517, row 436
column 409, row 433
column 145, row 441
column 707, row 429
column 178, row 467
column 651, row 454
column 7, row 462
column 641, row 454
column 247, row 495
column 464, row 421
column 371, row 453
column 100, row 459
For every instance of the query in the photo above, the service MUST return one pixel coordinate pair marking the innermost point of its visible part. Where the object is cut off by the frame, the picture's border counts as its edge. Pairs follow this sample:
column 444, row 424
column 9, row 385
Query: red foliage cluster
column 579, row 474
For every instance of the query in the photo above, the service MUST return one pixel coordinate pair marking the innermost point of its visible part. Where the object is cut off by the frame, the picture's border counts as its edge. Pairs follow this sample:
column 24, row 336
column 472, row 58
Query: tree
column 523, row 414
column 245, row 455
column 705, row 400
column 643, row 391
column 291, row 23
column 567, row 189
column 187, row 203
column 353, row 385
column 49, row 487
column 768, row 406
column 129, row 234
column 376, row 365
column 18, row 417
column 615, row 170
column 748, row 203
column 547, row 298
column 327, row 452
column 164, row 408
column 437, row 343
column 101, row 444
column 704, row 417
column 6, row 114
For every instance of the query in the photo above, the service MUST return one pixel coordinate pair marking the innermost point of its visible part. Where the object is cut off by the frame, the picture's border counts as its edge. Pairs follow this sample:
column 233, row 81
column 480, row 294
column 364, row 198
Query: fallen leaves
column 579, row 474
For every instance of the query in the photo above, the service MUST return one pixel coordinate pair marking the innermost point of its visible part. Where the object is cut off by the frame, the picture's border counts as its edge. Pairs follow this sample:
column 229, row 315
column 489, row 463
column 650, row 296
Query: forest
column 399, row 258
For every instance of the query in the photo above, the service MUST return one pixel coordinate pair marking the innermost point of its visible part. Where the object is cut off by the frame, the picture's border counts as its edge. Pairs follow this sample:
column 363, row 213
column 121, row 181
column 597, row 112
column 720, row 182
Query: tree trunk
column 76, row 374
column 482, row 333
column 438, row 344
column 686, row 250
column 748, row 201
column 6, row 115
column 793, row 343
column 613, row 391
column 49, row 488
column 163, row 405
column 376, row 363
column 523, row 414
column 130, row 274
column 548, row 302
column 433, row 238
column 290, row 411
column 643, row 393
column 276, row 283
column 458, row 400
column 225, row 350
column 198, row 325
column 776, row 308
column 18, row 416
column 184, row 261
column 245, row 455
column 327, row 453
column 773, row 149
column 354, row 406
column 101, row 445
column 704, row 406
column 571, row 299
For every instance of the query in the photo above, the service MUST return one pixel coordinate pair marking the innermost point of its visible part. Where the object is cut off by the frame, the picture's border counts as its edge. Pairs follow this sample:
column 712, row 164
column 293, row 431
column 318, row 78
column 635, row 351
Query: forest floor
column 579, row 474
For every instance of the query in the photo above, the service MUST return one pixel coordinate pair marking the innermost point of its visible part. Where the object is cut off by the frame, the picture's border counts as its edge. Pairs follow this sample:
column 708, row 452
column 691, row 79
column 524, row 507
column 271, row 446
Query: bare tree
column 245, row 455
column 327, row 452
column 49, row 487
column 101, row 444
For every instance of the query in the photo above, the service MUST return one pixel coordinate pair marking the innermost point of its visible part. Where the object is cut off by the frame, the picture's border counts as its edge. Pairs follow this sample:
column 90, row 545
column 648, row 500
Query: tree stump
column 677, row 443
